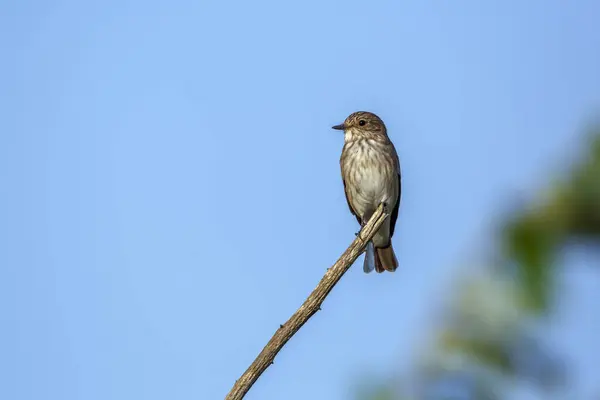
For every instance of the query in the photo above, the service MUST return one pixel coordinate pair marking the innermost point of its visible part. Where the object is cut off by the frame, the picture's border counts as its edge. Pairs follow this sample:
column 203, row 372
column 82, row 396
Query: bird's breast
column 370, row 174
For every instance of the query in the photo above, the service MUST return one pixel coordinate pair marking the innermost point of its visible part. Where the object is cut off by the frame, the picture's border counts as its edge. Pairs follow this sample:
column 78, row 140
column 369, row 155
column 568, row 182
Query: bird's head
column 362, row 125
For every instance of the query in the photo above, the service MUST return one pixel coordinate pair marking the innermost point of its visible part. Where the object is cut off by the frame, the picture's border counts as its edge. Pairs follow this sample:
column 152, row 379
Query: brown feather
column 387, row 258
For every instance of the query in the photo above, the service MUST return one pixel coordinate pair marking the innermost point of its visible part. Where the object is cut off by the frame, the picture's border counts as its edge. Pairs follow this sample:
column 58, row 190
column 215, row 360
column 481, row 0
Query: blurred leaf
column 488, row 352
column 530, row 242
column 381, row 392
column 533, row 239
column 584, row 196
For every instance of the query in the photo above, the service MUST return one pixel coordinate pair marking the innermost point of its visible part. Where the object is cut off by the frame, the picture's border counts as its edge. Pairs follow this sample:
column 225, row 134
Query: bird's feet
column 362, row 225
column 385, row 207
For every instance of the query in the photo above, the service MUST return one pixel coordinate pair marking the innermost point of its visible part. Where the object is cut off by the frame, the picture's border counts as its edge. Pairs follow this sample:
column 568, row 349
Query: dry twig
column 310, row 306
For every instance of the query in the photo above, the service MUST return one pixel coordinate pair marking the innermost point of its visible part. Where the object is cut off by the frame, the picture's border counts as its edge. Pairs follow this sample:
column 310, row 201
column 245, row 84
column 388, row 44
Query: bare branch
column 311, row 305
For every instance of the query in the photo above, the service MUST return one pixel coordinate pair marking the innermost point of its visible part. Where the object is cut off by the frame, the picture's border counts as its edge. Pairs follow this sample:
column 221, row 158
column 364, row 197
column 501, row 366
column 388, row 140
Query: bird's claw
column 385, row 207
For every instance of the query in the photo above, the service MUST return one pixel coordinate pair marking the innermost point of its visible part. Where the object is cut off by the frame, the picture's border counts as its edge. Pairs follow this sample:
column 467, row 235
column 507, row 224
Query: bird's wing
column 349, row 204
column 394, row 215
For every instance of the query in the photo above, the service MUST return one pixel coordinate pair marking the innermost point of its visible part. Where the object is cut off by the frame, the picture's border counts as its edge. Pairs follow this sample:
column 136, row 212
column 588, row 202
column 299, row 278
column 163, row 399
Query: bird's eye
column 362, row 122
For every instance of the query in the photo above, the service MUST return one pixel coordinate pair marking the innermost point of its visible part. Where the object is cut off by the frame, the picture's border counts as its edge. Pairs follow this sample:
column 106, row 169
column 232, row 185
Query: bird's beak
column 340, row 127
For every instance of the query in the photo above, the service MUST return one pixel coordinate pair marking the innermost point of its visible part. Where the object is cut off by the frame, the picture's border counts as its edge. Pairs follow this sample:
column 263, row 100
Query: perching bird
column 371, row 175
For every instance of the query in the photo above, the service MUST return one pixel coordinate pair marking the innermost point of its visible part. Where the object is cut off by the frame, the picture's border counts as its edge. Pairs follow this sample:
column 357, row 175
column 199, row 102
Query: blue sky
column 171, row 189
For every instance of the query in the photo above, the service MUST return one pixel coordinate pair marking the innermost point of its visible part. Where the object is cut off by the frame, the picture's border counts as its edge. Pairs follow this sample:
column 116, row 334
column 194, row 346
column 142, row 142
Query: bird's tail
column 385, row 259
column 369, row 263
column 380, row 259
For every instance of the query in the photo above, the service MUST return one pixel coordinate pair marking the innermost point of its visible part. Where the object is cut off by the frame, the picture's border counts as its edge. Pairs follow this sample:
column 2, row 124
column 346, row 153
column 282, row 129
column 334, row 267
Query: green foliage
column 531, row 241
column 534, row 237
column 376, row 392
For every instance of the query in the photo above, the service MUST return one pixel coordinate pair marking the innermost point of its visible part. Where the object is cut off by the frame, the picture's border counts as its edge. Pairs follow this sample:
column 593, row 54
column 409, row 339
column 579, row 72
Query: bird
column 371, row 175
